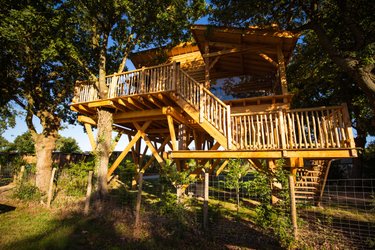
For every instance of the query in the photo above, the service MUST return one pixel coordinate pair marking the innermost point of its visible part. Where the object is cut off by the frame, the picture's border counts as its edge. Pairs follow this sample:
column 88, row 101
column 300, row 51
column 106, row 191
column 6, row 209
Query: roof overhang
column 236, row 51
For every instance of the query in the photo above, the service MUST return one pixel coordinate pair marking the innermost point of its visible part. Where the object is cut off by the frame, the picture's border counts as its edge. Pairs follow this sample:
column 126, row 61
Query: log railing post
column 348, row 128
column 282, row 128
column 174, row 76
column 229, row 127
column 201, row 103
column 142, row 89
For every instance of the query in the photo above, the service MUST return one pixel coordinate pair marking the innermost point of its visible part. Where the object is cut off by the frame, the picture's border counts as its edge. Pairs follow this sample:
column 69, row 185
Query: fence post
column 50, row 189
column 205, row 203
column 88, row 194
column 293, row 210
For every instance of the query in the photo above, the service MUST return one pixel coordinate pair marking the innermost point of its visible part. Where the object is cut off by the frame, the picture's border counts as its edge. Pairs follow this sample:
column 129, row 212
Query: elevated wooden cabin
column 167, row 104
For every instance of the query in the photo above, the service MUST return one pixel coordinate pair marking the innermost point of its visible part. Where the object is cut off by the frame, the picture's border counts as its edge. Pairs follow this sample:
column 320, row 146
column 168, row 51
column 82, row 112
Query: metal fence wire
column 343, row 217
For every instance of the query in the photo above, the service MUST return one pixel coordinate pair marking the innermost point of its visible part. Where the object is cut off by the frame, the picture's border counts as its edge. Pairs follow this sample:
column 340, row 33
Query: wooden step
column 304, row 197
column 304, row 192
column 305, row 187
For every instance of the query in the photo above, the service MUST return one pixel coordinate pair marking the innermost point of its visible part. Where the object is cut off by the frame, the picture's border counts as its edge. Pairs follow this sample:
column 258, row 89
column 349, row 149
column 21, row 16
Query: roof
column 243, row 51
column 234, row 51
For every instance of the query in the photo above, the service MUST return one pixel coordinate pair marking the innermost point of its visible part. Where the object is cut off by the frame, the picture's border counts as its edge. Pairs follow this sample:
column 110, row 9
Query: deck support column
column 282, row 70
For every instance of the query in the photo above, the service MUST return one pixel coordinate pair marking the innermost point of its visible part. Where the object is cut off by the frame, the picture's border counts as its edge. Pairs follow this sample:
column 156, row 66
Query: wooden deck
column 176, row 105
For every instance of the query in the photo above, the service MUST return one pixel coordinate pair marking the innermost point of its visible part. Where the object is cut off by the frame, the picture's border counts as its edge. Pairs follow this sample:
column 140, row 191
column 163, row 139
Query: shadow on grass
column 110, row 226
column 5, row 208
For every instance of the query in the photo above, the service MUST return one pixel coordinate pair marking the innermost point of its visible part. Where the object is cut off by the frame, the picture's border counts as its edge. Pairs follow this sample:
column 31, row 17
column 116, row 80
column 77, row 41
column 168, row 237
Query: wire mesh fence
column 343, row 217
column 344, row 214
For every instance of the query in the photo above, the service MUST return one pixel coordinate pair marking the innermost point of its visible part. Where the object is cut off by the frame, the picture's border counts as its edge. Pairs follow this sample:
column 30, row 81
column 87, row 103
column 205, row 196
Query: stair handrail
column 210, row 108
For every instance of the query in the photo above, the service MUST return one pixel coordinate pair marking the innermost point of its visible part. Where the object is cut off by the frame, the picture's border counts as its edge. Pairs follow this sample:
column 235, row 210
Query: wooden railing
column 315, row 128
column 210, row 108
column 85, row 91
column 145, row 80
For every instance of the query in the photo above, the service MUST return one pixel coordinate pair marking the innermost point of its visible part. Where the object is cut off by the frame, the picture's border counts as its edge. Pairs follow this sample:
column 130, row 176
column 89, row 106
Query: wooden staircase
column 310, row 181
column 212, row 115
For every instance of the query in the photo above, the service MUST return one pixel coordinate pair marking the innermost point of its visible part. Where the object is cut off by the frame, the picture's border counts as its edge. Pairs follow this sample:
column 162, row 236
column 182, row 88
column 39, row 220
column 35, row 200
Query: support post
column 138, row 204
column 50, row 189
column 282, row 71
column 293, row 210
column 88, row 194
column 205, row 203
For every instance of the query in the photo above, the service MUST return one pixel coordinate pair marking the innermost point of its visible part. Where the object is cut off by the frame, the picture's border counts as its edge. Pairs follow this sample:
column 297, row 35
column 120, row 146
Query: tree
column 316, row 81
column 237, row 170
column 127, row 24
column 67, row 145
column 23, row 144
column 38, row 75
column 344, row 29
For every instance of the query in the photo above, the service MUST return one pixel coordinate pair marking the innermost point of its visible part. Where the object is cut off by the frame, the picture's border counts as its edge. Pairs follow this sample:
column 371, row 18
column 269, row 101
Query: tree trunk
column 44, row 146
column 360, row 142
column 103, row 149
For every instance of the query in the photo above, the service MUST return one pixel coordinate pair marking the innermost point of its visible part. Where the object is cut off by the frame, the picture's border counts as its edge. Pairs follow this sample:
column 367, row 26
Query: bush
column 73, row 180
column 27, row 191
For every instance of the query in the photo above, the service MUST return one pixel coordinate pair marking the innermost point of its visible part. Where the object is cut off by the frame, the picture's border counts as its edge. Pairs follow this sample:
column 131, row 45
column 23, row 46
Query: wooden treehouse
column 169, row 107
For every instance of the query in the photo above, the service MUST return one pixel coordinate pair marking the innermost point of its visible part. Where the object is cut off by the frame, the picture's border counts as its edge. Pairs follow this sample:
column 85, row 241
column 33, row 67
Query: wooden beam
column 195, row 154
column 91, row 136
column 172, row 132
column 138, row 114
column 212, row 64
column 223, row 52
column 268, row 59
column 127, row 149
column 100, row 103
column 149, row 162
column 149, row 144
column 85, row 119
column 206, row 66
column 221, row 168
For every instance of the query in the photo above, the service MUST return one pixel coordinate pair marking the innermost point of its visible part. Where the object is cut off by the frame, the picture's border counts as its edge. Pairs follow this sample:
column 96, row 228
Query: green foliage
column 73, row 179
column 23, row 144
column 237, row 170
column 175, row 177
column 126, row 171
column 27, row 191
column 274, row 218
column 67, row 145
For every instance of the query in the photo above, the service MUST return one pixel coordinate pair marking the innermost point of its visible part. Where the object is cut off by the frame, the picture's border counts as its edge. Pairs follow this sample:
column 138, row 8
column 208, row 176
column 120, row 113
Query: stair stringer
column 207, row 126
column 311, row 181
